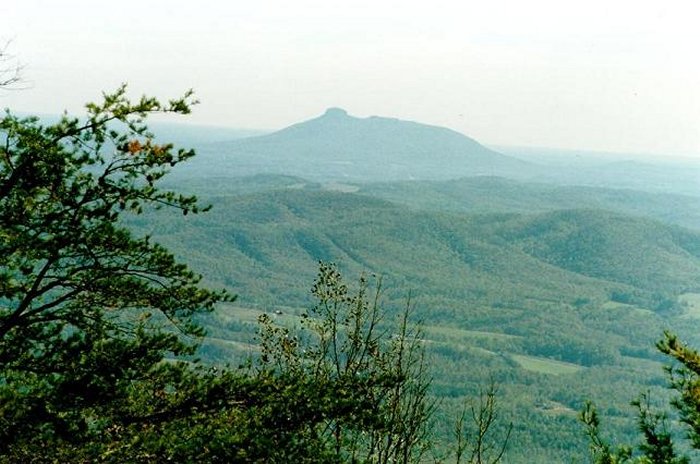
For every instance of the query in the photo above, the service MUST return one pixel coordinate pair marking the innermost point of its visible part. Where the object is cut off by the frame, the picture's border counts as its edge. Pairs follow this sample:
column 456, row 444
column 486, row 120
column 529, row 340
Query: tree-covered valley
column 555, row 307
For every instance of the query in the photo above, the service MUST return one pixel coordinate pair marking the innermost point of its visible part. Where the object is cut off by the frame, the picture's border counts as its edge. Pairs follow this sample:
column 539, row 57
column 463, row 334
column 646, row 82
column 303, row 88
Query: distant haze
column 617, row 76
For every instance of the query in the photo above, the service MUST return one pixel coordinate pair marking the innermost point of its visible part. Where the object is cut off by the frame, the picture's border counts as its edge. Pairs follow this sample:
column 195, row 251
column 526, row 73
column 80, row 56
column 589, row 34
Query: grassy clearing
column 554, row 408
column 239, row 346
column 451, row 333
column 545, row 366
column 238, row 313
column 340, row 187
column 614, row 305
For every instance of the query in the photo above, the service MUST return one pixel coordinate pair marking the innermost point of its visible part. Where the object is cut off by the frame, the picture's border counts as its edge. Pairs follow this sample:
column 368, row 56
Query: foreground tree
column 479, row 446
column 371, row 401
column 658, row 445
column 361, row 389
column 87, row 310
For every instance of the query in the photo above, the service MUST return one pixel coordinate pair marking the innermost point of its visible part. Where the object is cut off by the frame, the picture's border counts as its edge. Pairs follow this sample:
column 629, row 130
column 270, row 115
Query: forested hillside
column 556, row 307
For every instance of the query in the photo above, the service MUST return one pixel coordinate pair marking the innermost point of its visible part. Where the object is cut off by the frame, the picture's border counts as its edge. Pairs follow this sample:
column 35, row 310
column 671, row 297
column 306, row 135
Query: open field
column 545, row 366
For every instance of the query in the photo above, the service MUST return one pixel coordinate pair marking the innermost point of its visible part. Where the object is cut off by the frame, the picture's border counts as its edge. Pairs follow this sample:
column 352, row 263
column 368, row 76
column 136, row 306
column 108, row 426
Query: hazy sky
column 604, row 75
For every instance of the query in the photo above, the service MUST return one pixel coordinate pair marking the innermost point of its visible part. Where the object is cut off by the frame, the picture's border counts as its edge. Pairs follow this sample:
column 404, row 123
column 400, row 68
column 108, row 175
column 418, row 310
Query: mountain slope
column 337, row 145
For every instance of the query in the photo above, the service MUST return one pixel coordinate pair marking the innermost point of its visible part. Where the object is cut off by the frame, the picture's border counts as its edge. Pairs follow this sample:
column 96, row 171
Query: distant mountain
column 339, row 146
column 192, row 135
column 667, row 174
column 669, row 177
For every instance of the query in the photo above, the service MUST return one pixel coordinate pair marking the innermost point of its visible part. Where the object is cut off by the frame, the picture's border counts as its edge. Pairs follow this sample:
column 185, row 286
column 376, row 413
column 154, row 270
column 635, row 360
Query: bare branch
column 10, row 69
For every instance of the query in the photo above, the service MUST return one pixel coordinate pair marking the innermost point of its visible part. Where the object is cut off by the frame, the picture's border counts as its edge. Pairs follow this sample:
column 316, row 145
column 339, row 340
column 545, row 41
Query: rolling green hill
column 291, row 229
column 557, row 292
column 495, row 194
column 641, row 253
column 483, row 194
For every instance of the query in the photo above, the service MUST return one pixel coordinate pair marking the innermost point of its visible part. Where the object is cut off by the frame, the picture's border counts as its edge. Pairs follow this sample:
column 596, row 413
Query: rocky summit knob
column 336, row 113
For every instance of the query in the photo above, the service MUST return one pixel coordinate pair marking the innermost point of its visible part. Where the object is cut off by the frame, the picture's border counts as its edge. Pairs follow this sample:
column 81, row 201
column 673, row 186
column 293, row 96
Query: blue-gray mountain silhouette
column 338, row 145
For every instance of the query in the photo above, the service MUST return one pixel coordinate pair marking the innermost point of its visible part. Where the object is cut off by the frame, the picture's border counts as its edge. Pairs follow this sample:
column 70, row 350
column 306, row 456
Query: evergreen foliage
column 88, row 311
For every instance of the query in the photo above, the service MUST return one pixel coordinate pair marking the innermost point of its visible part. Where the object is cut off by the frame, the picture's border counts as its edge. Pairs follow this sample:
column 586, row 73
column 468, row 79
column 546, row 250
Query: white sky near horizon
column 619, row 76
